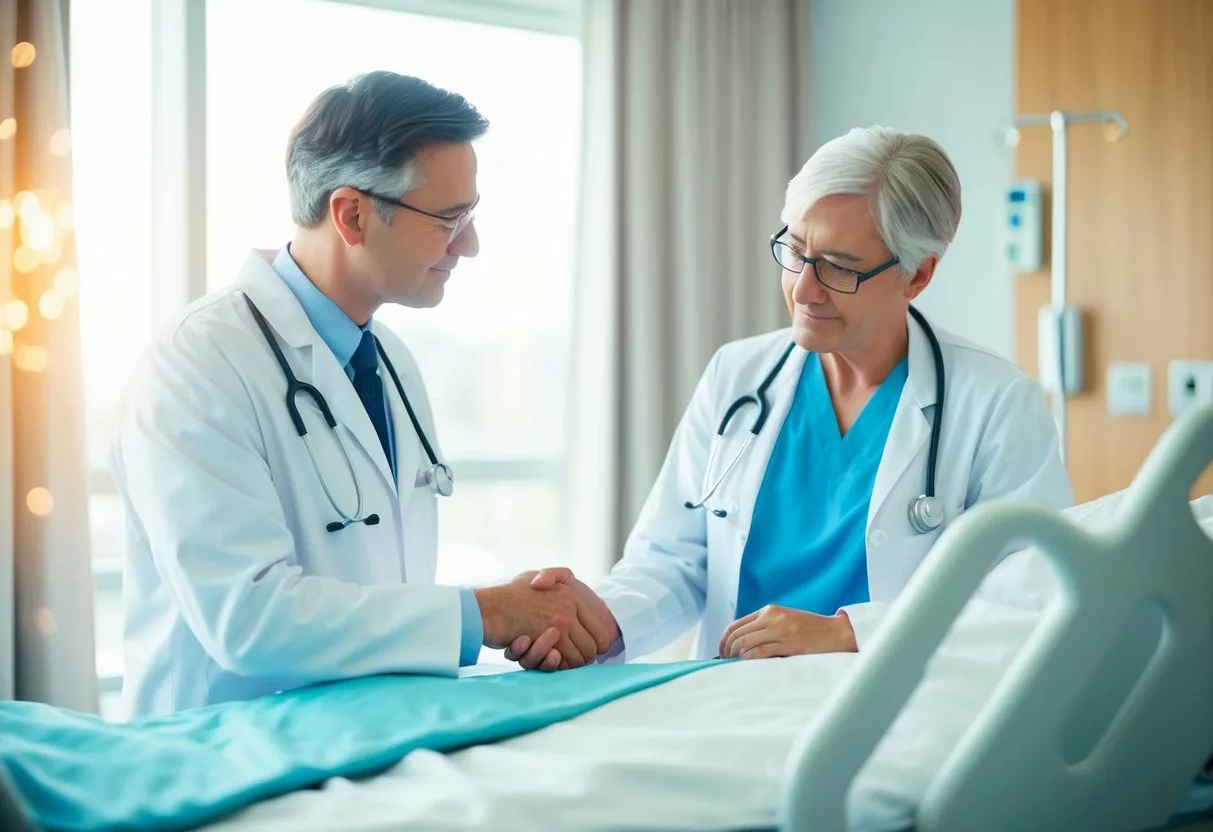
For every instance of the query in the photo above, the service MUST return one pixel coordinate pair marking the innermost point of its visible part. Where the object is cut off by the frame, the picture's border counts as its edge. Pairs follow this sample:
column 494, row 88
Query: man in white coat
column 823, row 519
column 276, row 455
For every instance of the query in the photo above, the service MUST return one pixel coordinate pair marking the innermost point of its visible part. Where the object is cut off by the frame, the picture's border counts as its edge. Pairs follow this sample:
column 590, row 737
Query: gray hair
column 913, row 187
column 366, row 134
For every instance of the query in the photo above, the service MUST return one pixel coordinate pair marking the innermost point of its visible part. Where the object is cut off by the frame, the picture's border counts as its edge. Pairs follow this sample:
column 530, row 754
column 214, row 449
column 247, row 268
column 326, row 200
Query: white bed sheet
column 705, row 751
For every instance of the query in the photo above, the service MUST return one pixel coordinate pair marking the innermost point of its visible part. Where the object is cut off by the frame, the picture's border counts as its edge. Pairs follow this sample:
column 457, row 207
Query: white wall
column 943, row 68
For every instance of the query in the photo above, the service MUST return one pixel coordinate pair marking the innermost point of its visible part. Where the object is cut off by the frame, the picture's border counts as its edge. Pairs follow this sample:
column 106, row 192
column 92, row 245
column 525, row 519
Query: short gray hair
column 366, row 134
column 913, row 187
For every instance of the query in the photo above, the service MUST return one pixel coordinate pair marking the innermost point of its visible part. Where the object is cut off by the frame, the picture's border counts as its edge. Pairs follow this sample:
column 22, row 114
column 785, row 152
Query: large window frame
column 179, row 184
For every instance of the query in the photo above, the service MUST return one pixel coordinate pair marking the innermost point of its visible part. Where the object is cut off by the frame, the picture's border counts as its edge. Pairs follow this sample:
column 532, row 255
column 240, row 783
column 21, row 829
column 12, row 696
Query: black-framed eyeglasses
column 830, row 275
column 453, row 223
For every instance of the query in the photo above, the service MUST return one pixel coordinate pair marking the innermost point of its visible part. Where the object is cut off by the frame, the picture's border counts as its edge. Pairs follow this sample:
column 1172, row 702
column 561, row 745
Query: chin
column 425, row 296
column 813, row 339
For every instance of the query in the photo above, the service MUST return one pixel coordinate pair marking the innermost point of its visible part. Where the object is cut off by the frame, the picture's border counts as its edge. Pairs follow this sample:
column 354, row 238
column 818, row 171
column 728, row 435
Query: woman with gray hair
column 816, row 466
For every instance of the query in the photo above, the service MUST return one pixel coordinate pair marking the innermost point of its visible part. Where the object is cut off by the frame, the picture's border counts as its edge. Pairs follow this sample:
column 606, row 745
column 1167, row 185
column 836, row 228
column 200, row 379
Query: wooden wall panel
column 1140, row 210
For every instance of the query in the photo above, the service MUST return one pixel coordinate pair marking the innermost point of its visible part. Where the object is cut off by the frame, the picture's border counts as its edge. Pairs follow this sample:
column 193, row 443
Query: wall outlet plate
column 1189, row 385
column 1129, row 389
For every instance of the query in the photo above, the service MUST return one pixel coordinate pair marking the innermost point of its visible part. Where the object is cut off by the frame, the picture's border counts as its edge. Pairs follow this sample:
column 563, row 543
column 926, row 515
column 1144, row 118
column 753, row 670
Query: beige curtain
column 695, row 120
column 46, row 623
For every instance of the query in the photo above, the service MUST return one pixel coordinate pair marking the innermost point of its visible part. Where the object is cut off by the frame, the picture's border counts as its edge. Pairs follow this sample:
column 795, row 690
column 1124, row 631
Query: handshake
column 547, row 620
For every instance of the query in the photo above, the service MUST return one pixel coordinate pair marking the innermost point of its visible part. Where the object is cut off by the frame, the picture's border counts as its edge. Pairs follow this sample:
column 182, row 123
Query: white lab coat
column 232, row 586
column 680, row 567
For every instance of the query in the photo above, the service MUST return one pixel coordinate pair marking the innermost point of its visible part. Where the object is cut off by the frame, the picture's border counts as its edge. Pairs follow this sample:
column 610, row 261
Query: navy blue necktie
column 369, row 387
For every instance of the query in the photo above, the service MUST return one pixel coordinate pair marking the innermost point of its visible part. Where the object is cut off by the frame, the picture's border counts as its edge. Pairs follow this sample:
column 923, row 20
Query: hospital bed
column 960, row 714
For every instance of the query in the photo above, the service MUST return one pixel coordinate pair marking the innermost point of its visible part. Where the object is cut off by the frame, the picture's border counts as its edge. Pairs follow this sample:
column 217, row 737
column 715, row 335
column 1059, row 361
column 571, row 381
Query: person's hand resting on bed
column 774, row 631
column 539, row 653
column 559, row 624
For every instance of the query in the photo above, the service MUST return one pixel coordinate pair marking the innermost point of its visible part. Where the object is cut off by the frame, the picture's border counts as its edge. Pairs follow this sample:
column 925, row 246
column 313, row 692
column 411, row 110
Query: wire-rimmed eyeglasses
column 454, row 223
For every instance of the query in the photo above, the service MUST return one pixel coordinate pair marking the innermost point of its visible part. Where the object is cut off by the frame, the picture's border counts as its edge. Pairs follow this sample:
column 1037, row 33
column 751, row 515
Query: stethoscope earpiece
column 338, row 525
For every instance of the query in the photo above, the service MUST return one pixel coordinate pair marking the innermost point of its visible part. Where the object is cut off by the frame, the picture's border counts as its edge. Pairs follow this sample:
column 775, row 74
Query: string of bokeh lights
column 43, row 219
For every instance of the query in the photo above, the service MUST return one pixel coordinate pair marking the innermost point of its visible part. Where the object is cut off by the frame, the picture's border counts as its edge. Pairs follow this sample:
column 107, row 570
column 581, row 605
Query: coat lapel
column 410, row 458
column 779, row 397
column 286, row 317
column 911, row 430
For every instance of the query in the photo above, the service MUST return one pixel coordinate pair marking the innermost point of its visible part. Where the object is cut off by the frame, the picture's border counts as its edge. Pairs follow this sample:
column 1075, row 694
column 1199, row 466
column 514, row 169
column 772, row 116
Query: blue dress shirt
column 342, row 336
column 807, row 543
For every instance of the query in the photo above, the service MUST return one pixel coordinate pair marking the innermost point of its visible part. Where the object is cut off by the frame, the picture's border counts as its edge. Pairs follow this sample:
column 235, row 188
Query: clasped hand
column 547, row 620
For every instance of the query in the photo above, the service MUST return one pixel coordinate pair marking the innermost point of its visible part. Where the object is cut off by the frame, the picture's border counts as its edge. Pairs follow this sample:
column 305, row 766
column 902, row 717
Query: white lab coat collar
column 287, row 318
column 908, row 434
column 911, row 430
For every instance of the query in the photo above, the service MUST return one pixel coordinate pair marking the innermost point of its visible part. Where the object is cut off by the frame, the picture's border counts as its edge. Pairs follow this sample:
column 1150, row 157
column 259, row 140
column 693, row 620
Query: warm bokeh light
column 25, row 259
column 39, row 501
column 31, row 358
column 6, row 342
column 7, row 214
column 61, row 142
column 39, row 232
column 26, row 204
column 53, row 253
column 8, row 128
column 51, row 304
column 24, row 54
column 14, row 315
column 67, row 282
column 44, row 622
column 65, row 217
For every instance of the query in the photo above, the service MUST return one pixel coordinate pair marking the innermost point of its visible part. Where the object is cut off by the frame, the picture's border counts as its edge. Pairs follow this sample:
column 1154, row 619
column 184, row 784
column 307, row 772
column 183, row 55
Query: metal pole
column 1057, row 263
column 1115, row 128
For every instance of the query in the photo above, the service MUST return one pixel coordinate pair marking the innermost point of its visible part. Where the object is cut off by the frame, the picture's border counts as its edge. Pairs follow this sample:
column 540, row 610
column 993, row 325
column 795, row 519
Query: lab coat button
column 879, row 537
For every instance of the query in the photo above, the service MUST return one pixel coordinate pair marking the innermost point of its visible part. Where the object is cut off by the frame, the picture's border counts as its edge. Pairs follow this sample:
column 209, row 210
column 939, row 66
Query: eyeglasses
column 454, row 223
column 830, row 275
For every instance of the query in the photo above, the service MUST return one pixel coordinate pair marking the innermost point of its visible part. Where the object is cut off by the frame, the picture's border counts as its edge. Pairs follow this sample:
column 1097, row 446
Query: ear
column 349, row 210
column 922, row 277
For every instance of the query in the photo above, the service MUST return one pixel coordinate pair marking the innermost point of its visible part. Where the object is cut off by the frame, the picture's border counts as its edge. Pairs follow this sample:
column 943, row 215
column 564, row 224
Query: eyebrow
column 841, row 255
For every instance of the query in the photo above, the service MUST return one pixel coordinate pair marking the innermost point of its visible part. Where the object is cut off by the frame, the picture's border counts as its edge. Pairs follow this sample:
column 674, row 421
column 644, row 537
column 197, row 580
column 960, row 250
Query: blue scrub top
column 807, row 543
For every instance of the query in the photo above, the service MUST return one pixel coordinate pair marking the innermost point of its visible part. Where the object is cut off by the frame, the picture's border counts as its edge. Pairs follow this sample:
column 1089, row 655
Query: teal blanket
column 75, row 771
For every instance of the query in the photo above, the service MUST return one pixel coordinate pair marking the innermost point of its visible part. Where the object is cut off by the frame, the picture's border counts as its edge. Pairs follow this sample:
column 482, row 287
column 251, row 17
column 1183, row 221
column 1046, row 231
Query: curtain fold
column 696, row 117
column 46, row 617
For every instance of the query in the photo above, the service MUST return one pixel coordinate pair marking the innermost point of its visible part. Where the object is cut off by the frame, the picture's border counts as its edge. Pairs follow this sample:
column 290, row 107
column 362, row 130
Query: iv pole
column 1061, row 318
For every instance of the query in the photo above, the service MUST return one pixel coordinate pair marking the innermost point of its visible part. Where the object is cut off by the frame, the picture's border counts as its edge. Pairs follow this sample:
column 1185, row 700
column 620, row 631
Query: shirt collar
column 333, row 326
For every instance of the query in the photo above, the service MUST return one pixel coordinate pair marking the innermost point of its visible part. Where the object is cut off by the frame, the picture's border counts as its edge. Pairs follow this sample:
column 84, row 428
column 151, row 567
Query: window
column 495, row 354
column 112, row 184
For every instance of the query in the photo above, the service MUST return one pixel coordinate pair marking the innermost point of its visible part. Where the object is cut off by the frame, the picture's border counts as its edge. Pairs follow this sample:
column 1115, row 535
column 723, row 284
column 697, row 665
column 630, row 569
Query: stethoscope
column 925, row 511
column 438, row 475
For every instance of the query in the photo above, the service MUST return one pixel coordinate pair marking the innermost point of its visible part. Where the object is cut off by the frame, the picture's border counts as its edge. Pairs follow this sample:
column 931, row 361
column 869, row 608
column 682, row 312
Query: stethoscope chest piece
column 441, row 479
column 926, row 514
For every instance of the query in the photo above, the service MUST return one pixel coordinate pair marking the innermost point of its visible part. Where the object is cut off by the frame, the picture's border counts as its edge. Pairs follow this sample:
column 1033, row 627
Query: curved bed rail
column 1009, row 770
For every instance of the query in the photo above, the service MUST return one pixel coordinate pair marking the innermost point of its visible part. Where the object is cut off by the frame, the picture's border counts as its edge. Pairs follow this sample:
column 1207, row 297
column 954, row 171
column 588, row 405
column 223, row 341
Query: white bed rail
column 1009, row 770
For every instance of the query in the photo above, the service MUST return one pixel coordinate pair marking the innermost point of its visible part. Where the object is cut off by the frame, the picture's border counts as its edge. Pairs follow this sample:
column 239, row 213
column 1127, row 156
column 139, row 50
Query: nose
column 808, row 290
column 465, row 243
